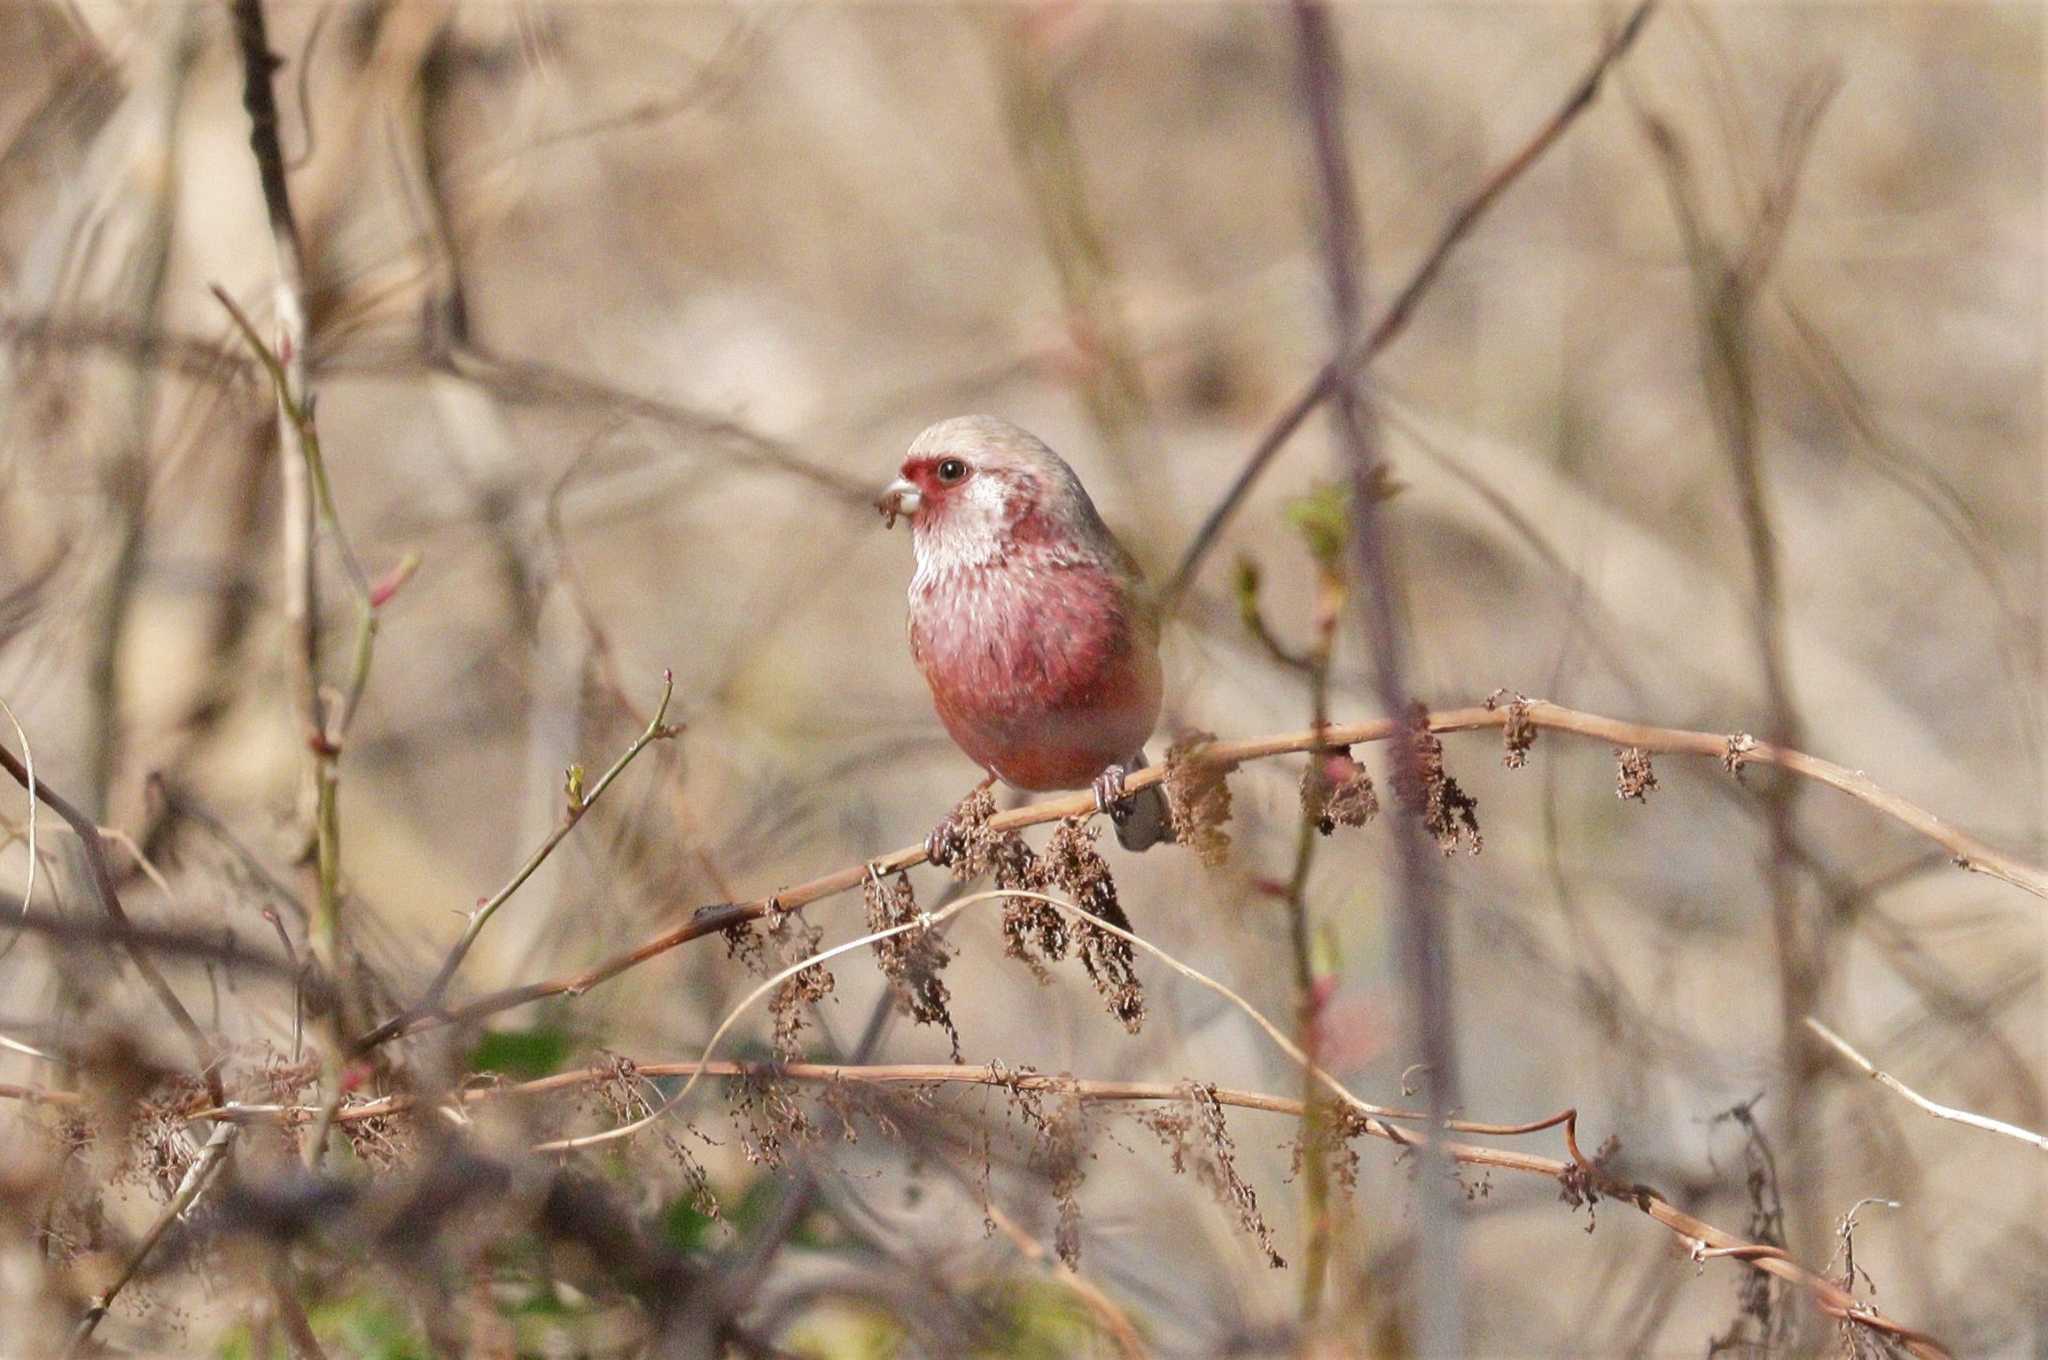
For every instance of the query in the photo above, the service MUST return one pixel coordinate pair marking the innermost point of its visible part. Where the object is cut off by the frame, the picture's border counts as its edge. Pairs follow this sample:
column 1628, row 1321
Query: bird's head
column 976, row 487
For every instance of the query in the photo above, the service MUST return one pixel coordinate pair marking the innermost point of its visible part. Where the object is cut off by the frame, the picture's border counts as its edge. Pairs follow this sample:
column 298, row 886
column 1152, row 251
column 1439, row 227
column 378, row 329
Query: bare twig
column 1391, row 323
column 196, row 1176
column 104, row 891
column 1732, row 750
column 1939, row 1111
column 580, row 801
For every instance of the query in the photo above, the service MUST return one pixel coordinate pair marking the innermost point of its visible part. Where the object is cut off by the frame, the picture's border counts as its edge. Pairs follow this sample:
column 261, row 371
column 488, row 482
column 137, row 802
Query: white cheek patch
column 971, row 529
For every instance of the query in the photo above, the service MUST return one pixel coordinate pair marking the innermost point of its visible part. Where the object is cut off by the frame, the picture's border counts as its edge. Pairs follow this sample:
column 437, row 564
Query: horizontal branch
column 1733, row 750
column 1703, row 1241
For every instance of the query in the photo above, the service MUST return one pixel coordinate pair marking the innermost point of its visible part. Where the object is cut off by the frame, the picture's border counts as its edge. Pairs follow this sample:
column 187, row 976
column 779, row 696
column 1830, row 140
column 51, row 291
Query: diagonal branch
column 104, row 892
column 1939, row 1111
column 1395, row 319
column 580, row 802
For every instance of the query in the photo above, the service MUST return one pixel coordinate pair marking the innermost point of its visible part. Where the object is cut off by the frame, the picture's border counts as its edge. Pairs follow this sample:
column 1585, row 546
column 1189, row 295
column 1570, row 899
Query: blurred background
column 1726, row 416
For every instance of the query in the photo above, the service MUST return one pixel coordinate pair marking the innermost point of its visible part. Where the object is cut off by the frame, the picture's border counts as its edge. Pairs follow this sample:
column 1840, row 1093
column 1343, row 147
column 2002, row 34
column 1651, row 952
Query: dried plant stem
column 194, row 1181
column 1702, row 1240
column 1729, row 749
column 1395, row 318
column 1939, row 1111
column 1320, row 1228
column 301, row 474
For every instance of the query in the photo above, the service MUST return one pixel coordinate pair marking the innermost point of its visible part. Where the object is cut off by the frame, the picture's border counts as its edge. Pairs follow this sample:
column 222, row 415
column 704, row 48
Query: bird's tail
column 1144, row 821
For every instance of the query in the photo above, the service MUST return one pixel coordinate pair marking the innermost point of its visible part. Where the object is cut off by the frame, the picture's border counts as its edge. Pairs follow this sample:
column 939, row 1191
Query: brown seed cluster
column 1518, row 732
column 1425, row 788
column 1740, row 744
column 913, row 960
column 795, row 938
column 1633, row 777
column 1197, row 1136
column 1337, row 790
column 1198, row 798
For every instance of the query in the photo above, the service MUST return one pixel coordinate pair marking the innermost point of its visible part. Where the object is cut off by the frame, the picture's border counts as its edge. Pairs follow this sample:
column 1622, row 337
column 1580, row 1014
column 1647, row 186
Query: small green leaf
column 521, row 1054
column 1323, row 515
column 684, row 1226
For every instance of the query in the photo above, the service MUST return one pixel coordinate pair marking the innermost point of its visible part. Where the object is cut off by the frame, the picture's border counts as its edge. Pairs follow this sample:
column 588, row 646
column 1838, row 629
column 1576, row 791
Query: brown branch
column 1732, row 750
column 101, row 876
column 1395, row 319
column 1702, row 1240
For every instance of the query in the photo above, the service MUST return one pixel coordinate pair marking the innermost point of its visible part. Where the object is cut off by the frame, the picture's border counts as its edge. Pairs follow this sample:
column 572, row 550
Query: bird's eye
column 951, row 470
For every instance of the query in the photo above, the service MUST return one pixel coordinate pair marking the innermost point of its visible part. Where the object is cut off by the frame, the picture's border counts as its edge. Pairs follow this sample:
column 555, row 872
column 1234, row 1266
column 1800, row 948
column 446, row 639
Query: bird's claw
column 1108, row 789
column 945, row 842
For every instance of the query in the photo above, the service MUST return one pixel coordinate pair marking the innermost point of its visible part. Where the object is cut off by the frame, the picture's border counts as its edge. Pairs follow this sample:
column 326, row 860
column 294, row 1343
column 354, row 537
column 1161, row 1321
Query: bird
column 1032, row 625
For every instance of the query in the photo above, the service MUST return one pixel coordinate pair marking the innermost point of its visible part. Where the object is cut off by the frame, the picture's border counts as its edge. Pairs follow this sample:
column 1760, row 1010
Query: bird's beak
column 900, row 497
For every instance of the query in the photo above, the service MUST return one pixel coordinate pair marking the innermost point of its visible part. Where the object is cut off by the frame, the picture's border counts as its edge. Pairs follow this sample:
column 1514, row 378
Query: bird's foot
column 1108, row 789
column 947, row 841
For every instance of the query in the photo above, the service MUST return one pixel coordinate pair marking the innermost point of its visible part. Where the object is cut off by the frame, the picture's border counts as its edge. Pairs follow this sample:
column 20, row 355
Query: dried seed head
column 795, row 939
column 1337, row 790
column 1740, row 744
column 1074, row 865
column 913, row 960
column 1633, row 777
column 1426, row 789
column 1518, row 733
column 963, row 840
column 1198, row 1136
column 1198, row 798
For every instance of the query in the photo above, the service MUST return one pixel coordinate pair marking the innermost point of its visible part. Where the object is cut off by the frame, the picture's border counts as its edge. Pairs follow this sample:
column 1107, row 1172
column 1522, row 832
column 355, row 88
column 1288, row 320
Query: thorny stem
column 1731, row 750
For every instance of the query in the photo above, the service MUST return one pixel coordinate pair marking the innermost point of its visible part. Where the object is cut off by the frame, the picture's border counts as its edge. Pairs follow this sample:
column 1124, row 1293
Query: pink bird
column 1030, row 622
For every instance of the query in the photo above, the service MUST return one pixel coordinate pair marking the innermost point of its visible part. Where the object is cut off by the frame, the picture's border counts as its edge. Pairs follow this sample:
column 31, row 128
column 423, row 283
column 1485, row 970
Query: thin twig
column 1391, row 323
column 579, row 803
column 1732, row 750
column 28, row 760
column 1939, row 1111
column 101, row 877
column 196, row 1176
